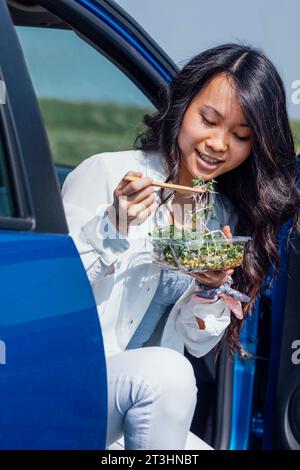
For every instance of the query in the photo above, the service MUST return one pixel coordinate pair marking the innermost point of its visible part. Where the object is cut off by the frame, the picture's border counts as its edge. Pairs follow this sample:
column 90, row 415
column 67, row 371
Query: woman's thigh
column 151, row 391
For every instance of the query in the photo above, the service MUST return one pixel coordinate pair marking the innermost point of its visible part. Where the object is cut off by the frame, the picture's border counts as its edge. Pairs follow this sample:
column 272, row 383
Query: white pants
column 151, row 400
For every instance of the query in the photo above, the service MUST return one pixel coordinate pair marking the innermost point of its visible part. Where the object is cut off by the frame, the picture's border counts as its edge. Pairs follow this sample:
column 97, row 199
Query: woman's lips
column 207, row 166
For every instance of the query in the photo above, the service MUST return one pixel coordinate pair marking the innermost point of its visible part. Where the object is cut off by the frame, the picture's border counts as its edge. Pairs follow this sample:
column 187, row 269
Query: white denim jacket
column 122, row 274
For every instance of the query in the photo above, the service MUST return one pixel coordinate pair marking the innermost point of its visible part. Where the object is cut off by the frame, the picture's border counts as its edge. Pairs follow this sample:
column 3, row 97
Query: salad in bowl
column 197, row 249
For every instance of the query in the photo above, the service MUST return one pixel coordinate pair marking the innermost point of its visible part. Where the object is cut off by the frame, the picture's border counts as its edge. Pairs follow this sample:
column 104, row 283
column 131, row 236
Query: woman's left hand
column 215, row 278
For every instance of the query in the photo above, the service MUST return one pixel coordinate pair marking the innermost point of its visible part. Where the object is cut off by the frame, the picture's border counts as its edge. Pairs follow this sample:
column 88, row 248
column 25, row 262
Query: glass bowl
column 197, row 252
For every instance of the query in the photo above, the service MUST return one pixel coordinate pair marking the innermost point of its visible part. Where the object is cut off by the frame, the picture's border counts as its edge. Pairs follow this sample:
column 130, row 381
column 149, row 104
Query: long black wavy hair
column 264, row 187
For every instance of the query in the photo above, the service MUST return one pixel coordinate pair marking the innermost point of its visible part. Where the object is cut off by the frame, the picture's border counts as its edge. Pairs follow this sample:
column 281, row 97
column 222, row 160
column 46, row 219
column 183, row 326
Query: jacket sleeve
column 85, row 203
column 216, row 317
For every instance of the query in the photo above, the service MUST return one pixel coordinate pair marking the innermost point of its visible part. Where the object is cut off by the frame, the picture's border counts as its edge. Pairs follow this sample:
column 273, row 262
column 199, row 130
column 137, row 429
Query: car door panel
column 52, row 365
column 52, row 390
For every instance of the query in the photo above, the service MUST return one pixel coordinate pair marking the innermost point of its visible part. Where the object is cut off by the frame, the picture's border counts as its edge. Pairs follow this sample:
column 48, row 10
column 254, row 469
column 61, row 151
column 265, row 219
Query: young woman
column 224, row 118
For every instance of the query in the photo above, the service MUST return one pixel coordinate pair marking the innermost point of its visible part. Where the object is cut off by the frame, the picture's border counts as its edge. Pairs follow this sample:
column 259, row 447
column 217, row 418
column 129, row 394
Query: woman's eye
column 206, row 121
column 243, row 139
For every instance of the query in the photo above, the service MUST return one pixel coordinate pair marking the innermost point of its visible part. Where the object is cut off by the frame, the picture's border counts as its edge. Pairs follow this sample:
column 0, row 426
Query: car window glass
column 89, row 106
column 6, row 200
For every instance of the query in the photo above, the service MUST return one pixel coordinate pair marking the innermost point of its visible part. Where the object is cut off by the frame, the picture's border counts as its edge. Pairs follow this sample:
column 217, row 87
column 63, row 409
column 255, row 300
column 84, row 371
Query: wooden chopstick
column 175, row 187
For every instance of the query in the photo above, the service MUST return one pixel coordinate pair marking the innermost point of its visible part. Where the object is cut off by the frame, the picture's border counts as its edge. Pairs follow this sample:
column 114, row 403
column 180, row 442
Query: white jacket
column 121, row 272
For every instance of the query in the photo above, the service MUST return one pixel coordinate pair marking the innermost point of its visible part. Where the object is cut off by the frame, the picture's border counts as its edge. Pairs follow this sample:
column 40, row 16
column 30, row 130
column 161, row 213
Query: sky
column 185, row 28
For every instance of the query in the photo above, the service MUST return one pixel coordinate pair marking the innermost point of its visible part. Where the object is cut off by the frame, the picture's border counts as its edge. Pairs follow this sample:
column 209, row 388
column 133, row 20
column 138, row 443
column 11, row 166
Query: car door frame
column 36, row 189
column 52, row 338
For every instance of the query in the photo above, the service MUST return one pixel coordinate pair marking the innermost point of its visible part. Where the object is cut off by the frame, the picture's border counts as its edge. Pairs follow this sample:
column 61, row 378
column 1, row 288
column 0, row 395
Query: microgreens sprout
column 203, row 209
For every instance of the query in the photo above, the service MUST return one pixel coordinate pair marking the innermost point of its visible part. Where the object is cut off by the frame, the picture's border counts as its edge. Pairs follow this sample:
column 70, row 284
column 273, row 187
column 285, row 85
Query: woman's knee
column 158, row 372
column 177, row 384
column 175, row 374
column 155, row 378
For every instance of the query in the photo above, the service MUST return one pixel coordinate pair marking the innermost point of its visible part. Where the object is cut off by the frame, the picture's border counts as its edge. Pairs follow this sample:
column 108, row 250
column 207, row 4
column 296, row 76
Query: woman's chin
column 202, row 174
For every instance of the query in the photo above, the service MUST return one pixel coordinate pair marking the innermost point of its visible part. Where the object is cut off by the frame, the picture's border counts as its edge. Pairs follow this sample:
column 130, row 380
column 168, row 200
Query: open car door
column 282, row 405
column 52, row 366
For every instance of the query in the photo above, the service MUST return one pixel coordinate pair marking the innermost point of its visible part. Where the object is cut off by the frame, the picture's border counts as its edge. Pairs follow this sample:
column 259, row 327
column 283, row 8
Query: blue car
column 52, row 365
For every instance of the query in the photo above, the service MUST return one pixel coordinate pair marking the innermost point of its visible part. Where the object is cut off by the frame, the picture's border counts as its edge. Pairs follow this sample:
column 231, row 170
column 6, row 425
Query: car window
column 7, row 208
column 88, row 104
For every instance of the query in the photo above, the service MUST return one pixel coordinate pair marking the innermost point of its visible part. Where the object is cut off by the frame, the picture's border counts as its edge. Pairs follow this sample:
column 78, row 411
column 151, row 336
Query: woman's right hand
column 133, row 202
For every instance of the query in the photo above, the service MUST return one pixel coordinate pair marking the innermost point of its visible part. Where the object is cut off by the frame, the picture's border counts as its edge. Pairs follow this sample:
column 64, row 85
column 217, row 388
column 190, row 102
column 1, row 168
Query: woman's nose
column 217, row 143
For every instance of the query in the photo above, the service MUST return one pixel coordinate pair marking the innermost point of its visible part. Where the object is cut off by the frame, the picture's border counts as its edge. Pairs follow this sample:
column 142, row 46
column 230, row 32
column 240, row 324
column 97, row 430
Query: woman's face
column 213, row 127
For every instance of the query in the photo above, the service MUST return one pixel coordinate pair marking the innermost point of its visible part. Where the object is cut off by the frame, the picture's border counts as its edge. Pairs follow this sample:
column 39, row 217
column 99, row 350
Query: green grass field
column 295, row 125
column 79, row 130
